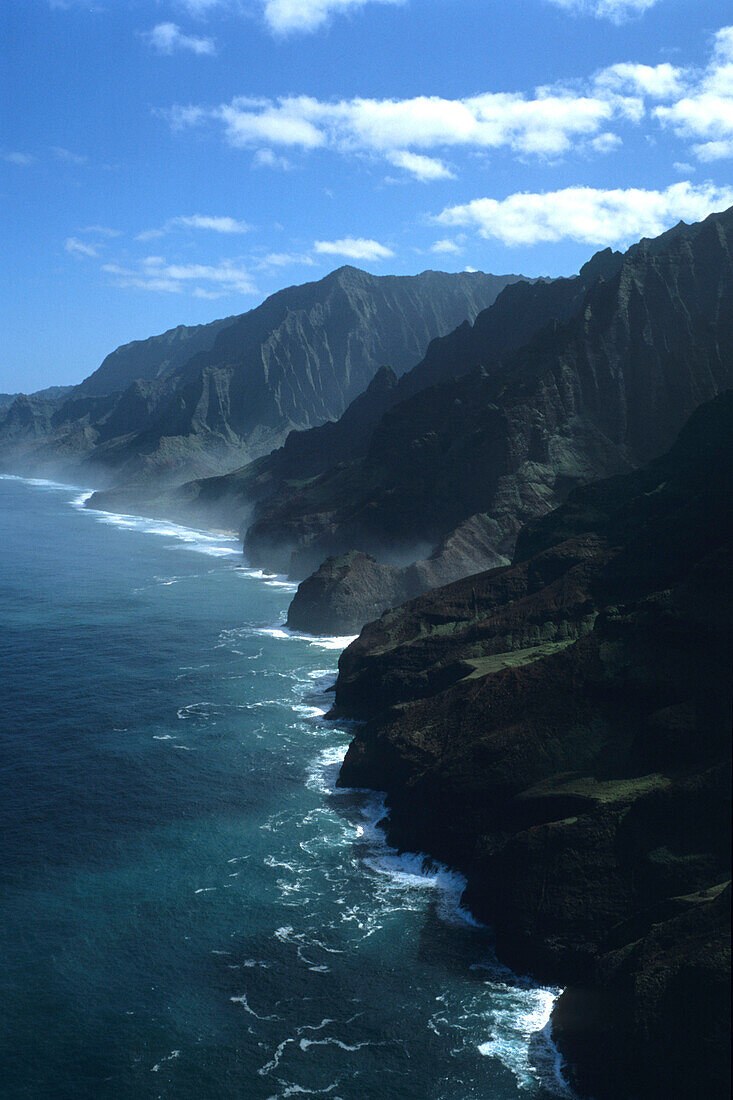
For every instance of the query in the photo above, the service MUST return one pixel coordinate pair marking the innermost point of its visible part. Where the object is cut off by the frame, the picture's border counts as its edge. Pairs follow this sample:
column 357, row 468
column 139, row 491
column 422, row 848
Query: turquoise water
column 189, row 907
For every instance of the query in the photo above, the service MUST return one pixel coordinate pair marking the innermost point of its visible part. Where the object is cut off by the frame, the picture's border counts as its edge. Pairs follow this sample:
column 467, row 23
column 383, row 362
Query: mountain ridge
column 600, row 393
column 206, row 398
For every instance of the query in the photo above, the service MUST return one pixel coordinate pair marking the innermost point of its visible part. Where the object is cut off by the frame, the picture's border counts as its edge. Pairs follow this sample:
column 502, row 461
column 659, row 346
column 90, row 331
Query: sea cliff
column 559, row 729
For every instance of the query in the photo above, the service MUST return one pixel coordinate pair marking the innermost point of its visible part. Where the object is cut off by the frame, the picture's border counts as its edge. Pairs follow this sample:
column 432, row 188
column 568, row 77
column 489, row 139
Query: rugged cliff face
column 204, row 400
column 596, row 394
column 560, row 729
column 155, row 357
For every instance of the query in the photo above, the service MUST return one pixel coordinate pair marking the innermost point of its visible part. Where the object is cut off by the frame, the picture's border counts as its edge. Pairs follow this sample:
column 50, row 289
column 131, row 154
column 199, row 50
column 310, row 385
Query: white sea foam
column 184, row 538
column 38, row 482
column 242, row 1000
column 323, row 771
column 272, row 580
column 282, row 633
column 168, row 1058
column 309, row 712
column 520, row 1017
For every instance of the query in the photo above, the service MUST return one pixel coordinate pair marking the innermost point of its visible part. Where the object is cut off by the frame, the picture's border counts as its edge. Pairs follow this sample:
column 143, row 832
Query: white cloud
column 265, row 158
column 154, row 273
column 79, row 248
column 447, row 246
column 166, row 38
column 420, row 166
column 658, row 81
column 285, row 259
column 546, row 125
column 587, row 214
column 150, row 235
column 354, row 248
column 21, row 160
column 286, row 16
column 714, row 150
column 218, row 225
column 195, row 221
column 250, row 122
column 705, row 114
column 606, row 143
column 413, row 134
column 209, row 295
column 66, row 156
column 615, row 10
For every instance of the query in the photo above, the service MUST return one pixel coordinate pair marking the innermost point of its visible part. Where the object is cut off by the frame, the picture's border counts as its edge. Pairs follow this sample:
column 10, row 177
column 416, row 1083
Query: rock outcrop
column 599, row 393
column 344, row 591
column 560, row 729
column 200, row 401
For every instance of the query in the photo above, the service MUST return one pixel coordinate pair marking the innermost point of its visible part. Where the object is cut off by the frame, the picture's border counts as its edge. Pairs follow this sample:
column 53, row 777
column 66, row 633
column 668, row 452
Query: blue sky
column 173, row 161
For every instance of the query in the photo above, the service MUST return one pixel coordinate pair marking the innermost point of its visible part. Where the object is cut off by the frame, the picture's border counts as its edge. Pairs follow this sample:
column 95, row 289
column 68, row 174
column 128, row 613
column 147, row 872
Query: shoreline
column 418, row 868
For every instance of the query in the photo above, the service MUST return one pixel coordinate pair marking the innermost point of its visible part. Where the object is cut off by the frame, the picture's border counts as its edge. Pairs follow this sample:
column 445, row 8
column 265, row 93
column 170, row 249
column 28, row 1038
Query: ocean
column 190, row 908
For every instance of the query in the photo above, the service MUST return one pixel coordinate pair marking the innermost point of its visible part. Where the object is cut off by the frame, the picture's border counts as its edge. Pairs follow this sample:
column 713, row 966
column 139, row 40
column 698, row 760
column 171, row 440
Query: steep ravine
column 560, row 730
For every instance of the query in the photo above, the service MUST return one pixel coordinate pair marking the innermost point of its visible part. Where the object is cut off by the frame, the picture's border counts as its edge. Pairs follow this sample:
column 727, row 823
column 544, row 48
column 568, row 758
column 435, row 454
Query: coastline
column 418, row 866
column 417, row 870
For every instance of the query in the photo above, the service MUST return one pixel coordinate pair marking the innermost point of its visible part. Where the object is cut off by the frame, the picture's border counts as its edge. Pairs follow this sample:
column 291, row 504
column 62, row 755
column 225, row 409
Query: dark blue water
column 189, row 908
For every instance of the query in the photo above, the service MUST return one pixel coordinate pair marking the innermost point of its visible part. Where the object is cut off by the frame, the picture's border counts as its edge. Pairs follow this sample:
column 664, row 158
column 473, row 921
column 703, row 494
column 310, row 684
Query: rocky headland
column 560, row 729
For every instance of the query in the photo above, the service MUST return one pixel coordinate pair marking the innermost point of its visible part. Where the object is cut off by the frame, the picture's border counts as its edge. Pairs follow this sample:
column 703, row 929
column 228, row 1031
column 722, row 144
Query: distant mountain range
column 429, row 477
column 196, row 401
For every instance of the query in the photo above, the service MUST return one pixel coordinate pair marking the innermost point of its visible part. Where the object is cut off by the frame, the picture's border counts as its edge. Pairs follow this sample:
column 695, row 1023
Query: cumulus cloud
column 166, row 38
column 285, row 259
column 154, row 273
column 616, row 10
column 704, row 115
column 196, row 221
column 416, row 134
column 446, row 246
column 354, row 248
column 286, row 16
column 590, row 215
column 420, row 166
column 265, row 158
column 606, row 143
column 75, row 247
column 657, row 81
column 218, row 225
column 405, row 131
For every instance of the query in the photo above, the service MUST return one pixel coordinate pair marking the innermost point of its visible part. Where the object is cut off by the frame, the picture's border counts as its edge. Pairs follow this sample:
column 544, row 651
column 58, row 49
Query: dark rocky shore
column 544, row 679
column 560, row 729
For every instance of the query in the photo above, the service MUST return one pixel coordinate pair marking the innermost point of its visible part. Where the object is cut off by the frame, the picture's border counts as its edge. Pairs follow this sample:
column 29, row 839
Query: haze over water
column 189, row 907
